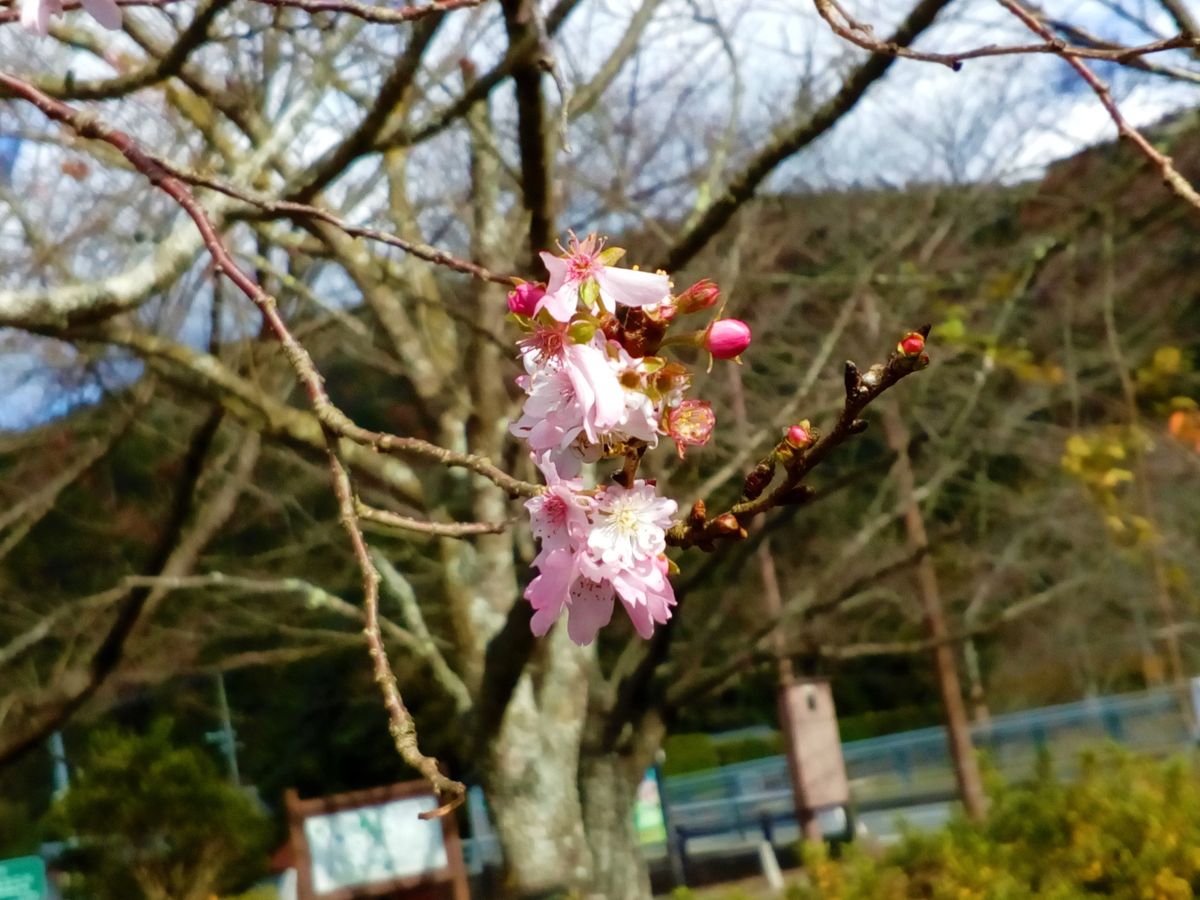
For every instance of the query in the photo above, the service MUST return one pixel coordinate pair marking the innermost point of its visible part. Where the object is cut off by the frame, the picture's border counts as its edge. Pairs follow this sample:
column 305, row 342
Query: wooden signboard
column 818, row 767
column 373, row 843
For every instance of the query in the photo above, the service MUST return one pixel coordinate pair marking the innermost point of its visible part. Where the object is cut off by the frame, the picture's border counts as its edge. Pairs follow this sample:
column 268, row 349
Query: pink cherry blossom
column 559, row 517
column 552, row 416
column 586, row 589
column 646, row 594
column 690, row 423
column 572, row 391
column 596, row 385
column 618, row 287
column 36, row 14
column 629, row 525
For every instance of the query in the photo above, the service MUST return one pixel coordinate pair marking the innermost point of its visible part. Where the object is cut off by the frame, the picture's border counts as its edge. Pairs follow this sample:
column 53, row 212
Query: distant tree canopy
column 147, row 820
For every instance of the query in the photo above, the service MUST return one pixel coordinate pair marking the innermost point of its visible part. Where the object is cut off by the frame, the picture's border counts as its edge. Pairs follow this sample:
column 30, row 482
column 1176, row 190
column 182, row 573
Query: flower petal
column 550, row 590
column 561, row 304
column 556, row 266
column 591, row 609
column 630, row 287
column 597, row 387
column 35, row 15
column 106, row 12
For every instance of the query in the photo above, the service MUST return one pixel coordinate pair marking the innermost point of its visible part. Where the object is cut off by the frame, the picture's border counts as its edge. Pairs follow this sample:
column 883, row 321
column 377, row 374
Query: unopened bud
column 523, row 299
column 727, row 338
column 851, row 377
column 911, row 344
column 757, row 480
column 727, row 523
column 701, row 295
column 799, row 436
column 698, row 514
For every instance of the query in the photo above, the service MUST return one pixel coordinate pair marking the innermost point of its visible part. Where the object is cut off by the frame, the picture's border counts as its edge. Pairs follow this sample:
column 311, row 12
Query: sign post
column 815, row 759
column 23, row 878
column 373, row 843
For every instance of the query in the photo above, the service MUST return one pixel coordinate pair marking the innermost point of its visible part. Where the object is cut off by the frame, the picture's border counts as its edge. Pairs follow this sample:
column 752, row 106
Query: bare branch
column 421, row 526
column 1176, row 182
column 371, row 13
column 863, row 35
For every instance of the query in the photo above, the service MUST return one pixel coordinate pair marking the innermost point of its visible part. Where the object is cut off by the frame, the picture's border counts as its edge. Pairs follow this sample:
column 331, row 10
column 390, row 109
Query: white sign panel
column 374, row 844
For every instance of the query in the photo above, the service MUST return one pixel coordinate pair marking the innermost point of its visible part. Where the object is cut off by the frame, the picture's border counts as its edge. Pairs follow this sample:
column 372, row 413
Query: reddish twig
column 698, row 529
column 371, row 13
column 1170, row 175
column 400, row 721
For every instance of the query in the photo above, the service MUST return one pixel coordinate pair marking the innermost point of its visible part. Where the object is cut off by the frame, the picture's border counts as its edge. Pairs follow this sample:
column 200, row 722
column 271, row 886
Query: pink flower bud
column 727, row 338
column 911, row 344
column 701, row 295
column 523, row 299
column 799, row 436
column 690, row 423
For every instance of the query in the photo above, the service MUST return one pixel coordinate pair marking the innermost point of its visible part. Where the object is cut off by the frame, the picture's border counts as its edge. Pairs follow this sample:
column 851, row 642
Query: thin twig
column 424, row 526
column 862, row 35
column 294, row 210
column 371, row 13
column 699, row 529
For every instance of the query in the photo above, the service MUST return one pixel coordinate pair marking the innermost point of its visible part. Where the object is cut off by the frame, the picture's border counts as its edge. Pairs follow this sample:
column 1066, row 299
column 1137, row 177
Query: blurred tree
column 147, row 820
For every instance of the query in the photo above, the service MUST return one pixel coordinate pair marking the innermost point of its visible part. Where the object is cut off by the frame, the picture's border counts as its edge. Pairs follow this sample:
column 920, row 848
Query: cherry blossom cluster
column 596, row 388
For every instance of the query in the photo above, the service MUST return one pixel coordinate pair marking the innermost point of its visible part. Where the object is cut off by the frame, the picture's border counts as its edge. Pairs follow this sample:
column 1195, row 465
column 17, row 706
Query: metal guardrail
column 899, row 770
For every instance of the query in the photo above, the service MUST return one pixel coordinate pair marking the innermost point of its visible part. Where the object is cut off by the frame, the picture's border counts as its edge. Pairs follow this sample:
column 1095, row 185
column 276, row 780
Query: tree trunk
column 561, row 800
column 531, row 779
column 958, row 730
column 609, row 786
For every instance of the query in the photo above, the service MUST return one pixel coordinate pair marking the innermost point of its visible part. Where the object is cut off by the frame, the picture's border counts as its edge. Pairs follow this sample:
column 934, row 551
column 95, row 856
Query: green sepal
column 589, row 293
column 582, row 330
column 523, row 322
column 611, row 256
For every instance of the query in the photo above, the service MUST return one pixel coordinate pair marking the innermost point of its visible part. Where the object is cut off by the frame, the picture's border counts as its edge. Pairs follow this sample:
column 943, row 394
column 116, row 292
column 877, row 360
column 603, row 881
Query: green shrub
column 146, row 820
column 18, row 832
column 748, row 748
column 1128, row 828
column 689, row 753
column 887, row 721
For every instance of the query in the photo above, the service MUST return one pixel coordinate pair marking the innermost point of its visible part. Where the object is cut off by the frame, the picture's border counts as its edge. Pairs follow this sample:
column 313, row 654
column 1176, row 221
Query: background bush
column 146, row 820
column 1127, row 827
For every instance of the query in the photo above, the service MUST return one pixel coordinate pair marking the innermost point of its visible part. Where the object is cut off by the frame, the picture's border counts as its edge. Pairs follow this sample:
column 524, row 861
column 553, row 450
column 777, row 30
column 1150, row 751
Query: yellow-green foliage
column 1128, row 828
